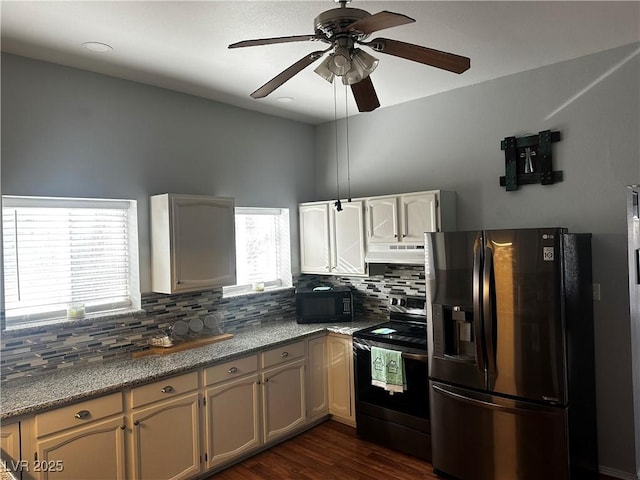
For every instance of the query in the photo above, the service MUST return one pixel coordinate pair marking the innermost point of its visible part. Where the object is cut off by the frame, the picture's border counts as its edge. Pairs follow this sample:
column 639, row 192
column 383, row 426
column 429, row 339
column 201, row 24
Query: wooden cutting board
column 200, row 342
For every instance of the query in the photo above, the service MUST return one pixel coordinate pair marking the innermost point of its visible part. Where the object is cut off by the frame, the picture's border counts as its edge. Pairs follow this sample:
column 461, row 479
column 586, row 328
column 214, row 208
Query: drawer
column 231, row 369
column 78, row 414
column 164, row 389
column 282, row 354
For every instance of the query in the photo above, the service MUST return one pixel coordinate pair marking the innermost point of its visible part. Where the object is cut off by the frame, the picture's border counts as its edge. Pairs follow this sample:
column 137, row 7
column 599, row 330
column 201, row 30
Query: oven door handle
column 415, row 356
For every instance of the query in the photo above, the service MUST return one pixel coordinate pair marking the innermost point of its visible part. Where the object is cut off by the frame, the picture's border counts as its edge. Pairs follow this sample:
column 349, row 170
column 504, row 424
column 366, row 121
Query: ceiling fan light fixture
column 368, row 62
column 362, row 65
column 340, row 61
column 324, row 71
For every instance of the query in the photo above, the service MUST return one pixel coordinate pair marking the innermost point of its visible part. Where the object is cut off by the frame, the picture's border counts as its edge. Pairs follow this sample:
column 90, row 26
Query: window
column 64, row 256
column 263, row 257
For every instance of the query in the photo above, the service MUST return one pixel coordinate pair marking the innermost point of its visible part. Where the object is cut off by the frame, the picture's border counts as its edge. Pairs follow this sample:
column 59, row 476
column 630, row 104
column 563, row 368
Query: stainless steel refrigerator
column 511, row 355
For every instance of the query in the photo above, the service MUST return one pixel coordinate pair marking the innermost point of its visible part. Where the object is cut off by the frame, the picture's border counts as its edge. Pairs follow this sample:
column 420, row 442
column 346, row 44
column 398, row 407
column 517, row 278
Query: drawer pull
column 284, row 354
column 167, row 389
column 233, row 370
column 136, row 423
column 82, row 414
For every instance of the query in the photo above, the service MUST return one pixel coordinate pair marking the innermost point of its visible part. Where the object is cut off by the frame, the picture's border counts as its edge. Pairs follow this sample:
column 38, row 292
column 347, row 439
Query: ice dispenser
column 454, row 335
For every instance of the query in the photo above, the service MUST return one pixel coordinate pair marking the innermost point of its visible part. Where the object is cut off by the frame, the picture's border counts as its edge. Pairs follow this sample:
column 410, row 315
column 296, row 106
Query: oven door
column 409, row 408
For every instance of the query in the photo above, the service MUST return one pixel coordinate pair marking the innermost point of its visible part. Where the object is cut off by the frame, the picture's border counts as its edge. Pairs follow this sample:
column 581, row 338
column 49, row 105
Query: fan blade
column 365, row 95
column 379, row 21
column 416, row 53
column 285, row 75
column 269, row 41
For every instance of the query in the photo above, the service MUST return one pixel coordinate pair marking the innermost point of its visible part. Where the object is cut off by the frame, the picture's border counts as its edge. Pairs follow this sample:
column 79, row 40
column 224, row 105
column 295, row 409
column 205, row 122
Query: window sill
column 88, row 319
column 247, row 293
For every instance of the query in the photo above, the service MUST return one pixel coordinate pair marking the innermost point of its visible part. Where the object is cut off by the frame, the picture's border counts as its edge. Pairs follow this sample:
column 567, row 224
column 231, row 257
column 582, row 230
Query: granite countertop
column 37, row 393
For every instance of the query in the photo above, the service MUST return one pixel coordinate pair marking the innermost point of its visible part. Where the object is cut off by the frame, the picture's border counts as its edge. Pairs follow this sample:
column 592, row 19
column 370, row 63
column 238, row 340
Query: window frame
column 285, row 280
column 59, row 316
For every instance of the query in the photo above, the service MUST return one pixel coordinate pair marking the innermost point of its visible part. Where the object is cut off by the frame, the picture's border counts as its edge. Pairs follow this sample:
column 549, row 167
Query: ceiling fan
column 344, row 29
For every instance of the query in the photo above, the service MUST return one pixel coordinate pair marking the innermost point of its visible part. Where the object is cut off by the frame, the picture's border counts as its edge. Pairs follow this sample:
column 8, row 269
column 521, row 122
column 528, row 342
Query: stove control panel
column 407, row 304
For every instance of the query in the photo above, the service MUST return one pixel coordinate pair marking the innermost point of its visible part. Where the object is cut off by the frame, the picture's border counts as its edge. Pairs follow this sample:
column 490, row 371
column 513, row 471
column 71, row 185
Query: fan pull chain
column 338, row 203
column 346, row 113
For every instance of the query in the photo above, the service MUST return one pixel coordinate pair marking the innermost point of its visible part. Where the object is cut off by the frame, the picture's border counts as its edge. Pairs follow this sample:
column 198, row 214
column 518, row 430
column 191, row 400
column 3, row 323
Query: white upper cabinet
column 347, row 239
column 396, row 224
column 332, row 242
column 192, row 242
column 382, row 220
column 401, row 218
column 418, row 214
column 314, row 238
column 383, row 229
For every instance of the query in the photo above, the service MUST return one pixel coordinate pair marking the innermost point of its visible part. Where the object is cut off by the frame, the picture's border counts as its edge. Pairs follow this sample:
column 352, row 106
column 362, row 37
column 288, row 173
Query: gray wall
column 452, row 141
column 68, row 132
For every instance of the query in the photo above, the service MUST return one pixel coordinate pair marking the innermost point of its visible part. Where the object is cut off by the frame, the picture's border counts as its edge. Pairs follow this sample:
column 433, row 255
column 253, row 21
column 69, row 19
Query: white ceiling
column 182, row 45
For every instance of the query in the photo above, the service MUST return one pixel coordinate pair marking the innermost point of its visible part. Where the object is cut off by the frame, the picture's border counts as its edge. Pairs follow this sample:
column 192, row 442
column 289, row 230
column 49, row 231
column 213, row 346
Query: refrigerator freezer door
column 454, row 262
column 523, row 314
column 477, row 436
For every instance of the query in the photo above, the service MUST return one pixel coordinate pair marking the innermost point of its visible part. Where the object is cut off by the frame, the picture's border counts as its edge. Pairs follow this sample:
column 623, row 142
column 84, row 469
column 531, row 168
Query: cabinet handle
column 82, row 414
column 233, row 370
column 123, row 427
column 266, row 380
column 284, row 354
column 258, row 382
column 167, row 389
column 136, row 423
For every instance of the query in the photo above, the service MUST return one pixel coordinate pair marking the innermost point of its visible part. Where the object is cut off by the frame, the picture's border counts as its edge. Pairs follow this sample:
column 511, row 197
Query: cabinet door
column 341, row 392
column 10, row 444
column 347, row 239
column 283, row 399
column 317, row 394
column 382, row 220
column 166, row 440
column 418, row 215
column 232, row 419
column 92, row 452
column 203, row 242
column 314, row 238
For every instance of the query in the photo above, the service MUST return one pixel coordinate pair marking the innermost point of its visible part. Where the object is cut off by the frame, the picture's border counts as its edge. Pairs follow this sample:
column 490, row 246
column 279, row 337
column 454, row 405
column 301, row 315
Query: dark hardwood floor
column 330, row 451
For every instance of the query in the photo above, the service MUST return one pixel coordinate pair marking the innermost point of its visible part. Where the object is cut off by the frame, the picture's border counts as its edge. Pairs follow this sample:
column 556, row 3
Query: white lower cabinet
column 10, row 446
column 182, row 426
column 340, row 378
column 166, row 429
column 232, row 405
column 283, row 407
column 283, row 394
column 317, row 393
column 66, row 437
column 69, row 455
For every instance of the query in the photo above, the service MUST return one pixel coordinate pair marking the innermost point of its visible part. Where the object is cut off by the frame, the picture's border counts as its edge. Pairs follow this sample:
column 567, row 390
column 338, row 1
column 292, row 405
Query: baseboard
column 612, row 472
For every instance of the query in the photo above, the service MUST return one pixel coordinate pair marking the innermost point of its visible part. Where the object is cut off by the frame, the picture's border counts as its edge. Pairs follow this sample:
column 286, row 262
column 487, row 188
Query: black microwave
column 324, row 304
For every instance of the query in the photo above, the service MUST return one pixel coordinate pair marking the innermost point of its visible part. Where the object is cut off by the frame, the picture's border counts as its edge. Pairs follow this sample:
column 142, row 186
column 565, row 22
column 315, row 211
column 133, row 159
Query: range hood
column 412, row 254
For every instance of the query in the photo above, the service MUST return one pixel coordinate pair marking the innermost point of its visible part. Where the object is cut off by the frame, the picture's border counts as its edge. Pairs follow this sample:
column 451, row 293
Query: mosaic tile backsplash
column 52, row 347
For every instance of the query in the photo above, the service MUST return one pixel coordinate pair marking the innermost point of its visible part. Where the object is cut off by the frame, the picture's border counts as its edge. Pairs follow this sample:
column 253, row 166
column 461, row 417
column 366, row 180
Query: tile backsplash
column 41, row 349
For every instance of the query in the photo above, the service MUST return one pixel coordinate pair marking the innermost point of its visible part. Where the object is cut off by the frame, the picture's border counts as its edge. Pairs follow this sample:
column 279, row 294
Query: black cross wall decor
column 528, row 160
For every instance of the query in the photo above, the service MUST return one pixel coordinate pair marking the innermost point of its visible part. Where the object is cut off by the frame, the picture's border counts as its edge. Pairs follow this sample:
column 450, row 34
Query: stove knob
column 394, row 301
column 403, row 302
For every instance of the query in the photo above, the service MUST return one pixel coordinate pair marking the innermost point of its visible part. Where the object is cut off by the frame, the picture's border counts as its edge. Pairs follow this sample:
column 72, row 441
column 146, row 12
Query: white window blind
column 59, row 252
column 262, row 248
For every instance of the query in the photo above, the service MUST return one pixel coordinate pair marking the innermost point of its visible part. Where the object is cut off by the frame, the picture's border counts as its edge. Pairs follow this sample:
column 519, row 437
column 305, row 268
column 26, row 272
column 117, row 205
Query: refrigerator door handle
column 488, row 310
column 477, row 306
column 513, row 408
